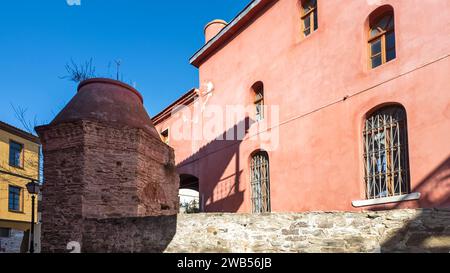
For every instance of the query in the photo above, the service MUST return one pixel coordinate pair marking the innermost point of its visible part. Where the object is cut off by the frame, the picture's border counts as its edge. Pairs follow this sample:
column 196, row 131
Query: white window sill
column 386, row 200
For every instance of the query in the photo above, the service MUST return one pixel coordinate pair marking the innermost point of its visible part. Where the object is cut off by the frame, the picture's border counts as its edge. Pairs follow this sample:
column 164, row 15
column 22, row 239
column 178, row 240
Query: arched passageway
column 189, row 194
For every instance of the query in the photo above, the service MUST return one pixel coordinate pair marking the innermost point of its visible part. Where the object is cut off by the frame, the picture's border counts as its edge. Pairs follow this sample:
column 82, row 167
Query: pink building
column 347, row 107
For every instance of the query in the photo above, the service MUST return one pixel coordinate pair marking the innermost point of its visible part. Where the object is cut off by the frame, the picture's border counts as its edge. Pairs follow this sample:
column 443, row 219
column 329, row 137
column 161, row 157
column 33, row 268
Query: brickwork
column 100, row 169
column 62, row 193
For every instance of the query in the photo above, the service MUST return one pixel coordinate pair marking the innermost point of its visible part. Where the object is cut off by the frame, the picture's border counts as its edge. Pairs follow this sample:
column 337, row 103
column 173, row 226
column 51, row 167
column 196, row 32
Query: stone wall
column 102, row 171
column 61, row 207
column 373, row 232
column 13, row 243
column 125, row 235
column 388, row 231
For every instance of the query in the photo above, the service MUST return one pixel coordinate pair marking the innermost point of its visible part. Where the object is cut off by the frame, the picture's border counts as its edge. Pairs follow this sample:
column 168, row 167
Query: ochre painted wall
column 17, row 220
column 318, row 164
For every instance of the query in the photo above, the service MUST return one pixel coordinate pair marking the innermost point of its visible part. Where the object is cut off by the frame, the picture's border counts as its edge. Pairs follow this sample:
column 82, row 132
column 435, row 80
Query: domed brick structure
column 103, row 159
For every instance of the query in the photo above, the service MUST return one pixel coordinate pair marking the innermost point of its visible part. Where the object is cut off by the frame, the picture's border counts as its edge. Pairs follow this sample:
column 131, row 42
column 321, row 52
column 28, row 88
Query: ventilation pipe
column 213, row 28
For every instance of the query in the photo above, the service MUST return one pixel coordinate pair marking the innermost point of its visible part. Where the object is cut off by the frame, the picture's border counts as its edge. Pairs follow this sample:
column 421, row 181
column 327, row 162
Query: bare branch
column 29, row 126
column 79, row 73
column 21, row 115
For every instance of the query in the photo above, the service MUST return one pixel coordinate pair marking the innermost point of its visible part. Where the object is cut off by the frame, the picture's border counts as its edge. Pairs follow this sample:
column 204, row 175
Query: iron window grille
column 260, row 183
column 386, row 153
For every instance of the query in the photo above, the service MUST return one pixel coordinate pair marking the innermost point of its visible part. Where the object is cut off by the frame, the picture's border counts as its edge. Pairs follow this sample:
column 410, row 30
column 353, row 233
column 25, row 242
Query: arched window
column 260, row 182
column 382, row 37
column 258, row 89
column 309, row 16
column 386, row 153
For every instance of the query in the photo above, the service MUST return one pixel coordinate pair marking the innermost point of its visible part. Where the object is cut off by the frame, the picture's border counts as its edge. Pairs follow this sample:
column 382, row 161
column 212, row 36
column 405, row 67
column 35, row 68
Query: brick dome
column 108, row 101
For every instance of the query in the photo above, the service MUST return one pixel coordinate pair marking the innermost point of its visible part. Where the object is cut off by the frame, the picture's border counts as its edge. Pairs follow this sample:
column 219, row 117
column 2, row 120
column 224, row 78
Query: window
column 15, row 154
column 382, row 39
column 309, row 16
column 260, row 183
column 5, row 232
column 165, row 136
column 258, row 89
column 386, row 153
column 14, row 198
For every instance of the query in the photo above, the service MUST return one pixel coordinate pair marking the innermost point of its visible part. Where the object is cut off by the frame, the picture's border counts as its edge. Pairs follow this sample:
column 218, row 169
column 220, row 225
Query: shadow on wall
column 129, row 235
column 219, row 193
column 429, row 231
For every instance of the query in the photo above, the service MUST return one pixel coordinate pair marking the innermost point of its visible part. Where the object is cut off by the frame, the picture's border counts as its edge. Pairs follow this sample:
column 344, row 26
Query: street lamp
column 33, row 189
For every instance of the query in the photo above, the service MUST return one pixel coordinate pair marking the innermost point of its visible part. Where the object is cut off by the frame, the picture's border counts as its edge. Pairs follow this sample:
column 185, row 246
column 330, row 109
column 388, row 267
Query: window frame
column 19, row 199
column 383, row 33
column 260, row 184
column 312, row 13
column 259, row 106
column 258, row 101
column 22, row 154
column 5, row 231
column 396, row 182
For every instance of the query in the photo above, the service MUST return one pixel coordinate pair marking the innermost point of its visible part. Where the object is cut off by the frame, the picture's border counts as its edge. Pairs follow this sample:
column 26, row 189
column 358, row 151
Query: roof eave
column 164, row 114
column 252, row 9
column 19, row 132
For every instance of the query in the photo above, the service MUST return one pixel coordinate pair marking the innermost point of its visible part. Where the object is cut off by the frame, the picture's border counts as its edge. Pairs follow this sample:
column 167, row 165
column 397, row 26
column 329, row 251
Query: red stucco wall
column 318, row 163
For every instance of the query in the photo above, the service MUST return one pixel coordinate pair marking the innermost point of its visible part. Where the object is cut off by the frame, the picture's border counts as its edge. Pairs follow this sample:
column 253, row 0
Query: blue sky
column 153, row 39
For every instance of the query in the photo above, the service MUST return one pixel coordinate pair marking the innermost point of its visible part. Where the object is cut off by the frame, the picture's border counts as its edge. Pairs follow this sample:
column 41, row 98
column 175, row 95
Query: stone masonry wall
column 125, row 173
column 318, row 232
column 387, row 231
column 11, row 244
column 63, row 171
column 101, row 171
column 128, row 235
column 158, row 182
column 373, row 232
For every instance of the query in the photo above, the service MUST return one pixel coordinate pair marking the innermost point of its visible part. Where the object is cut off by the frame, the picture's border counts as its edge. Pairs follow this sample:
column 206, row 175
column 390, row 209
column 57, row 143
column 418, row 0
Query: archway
column 189, row 194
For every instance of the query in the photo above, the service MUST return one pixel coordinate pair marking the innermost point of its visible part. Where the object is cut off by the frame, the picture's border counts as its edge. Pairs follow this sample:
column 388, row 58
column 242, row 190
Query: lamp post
column 33, row 189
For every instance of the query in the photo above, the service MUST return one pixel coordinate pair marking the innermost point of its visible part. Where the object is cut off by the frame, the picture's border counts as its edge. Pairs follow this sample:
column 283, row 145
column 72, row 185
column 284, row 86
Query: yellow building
column 19, row 165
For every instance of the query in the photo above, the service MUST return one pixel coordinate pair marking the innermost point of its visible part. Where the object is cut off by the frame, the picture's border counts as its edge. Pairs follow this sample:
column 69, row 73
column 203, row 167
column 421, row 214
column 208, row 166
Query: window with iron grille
column 386, row 153
column 260, row 183
column 14, row 198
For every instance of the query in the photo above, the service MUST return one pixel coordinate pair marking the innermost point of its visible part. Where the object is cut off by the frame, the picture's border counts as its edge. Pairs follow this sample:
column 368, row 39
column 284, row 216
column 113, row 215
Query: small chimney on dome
column 213, row 28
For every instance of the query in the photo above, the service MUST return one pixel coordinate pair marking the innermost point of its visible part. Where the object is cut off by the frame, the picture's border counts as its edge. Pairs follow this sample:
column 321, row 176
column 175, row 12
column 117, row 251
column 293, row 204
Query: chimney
column 213, row 28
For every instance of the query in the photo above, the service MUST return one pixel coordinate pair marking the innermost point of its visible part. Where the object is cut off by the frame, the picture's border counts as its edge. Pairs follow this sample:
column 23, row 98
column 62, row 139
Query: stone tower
column 103, row 159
